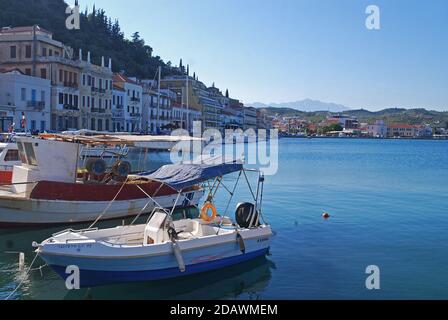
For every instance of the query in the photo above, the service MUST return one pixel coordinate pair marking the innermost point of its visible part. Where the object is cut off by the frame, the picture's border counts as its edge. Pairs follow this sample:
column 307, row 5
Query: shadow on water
column 248, row 280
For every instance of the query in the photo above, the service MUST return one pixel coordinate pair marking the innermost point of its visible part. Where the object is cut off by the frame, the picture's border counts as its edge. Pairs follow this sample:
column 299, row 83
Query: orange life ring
column 204, row 211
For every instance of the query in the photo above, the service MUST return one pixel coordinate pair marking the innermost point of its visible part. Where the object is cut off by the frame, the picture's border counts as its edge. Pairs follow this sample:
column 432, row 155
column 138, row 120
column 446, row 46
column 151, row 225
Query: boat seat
column 154, row 230
column 191, row 230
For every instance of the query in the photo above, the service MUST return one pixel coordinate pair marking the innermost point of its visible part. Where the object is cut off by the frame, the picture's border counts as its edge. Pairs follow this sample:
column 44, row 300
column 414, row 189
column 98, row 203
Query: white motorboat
column 165, row 247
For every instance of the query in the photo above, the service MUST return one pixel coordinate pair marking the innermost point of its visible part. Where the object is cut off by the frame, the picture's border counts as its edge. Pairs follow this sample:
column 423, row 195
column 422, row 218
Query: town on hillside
column 45, row 86
column 345, row 125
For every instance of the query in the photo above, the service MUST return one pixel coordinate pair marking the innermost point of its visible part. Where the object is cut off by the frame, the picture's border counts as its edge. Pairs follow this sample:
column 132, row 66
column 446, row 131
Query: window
column 83, row 79
column 21, row 152
column 23, row 94
column 65, row 76
column 84, row 101
column 44, row 52
column 75, row 101
column 107, row 125
column 13, row 52
column 33, row 125
column 43, row 73
column 61, row 76
column 88, row 102
column 75, row 78
column 100, row 103
column 12, row 155
column 113, row 98
column 93, row 102
column 101, row 83
column 30, row 155
column 42, row 126
column 42, row 96
column 61, row 98
column 50, row 52
column 28, row 51
column 92, row 124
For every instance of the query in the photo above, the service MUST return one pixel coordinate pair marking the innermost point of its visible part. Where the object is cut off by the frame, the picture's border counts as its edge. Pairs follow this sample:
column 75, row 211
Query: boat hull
column 101, row 265
column 17, row 212
column 93, row 278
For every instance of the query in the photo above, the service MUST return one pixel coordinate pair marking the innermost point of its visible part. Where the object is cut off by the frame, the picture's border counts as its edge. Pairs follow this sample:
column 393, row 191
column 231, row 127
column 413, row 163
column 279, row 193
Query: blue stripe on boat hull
column 90, row 278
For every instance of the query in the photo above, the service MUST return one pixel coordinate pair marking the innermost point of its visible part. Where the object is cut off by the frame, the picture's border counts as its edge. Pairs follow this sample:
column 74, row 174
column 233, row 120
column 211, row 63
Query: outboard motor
column 246, row 216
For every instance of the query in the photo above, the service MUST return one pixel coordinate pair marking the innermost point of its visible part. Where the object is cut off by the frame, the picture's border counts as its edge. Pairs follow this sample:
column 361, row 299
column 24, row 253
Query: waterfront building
column 133, row 105
column 250, row 118
column 378, row 130
column 262, row 121
column 96, row 94
column 233, row 117
column 157, row 117
column 198, row 98
column 118, row 120
column 403, row 130
column 34, row 52
column 25, row 100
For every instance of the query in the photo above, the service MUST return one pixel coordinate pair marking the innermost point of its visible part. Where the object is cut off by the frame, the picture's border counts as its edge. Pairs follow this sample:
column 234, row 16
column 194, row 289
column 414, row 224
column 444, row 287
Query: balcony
column 97, row 110
column 135, row 99
column 73, row 85
column 135, row 115
column 119, row 107
column 98, row 90
column 70, row 107
column 38, row 105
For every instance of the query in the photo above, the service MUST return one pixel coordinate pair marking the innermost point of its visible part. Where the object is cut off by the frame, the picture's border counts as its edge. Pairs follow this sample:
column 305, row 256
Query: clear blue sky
column 286, row 50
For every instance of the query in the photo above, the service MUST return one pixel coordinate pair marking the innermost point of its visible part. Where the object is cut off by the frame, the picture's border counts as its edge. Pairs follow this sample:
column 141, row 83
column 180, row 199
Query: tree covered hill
column 411, row 116
column 98, row 34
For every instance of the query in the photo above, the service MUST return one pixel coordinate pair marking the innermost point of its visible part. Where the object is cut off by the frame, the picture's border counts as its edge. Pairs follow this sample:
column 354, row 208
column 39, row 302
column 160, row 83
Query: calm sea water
column 388, row 201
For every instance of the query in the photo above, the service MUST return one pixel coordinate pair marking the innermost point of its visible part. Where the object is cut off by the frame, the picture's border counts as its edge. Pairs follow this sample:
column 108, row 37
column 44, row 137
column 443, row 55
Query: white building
column 118, row 119
column 133, row 105
column 30, row 97
column 378, row 130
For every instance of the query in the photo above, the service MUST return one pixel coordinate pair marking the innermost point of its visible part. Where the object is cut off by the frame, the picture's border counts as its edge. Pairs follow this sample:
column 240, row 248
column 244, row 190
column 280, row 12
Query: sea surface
column 388, row 201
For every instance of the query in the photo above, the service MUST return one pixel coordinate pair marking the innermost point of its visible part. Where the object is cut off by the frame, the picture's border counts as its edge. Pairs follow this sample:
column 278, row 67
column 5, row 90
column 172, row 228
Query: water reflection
column 248, row 280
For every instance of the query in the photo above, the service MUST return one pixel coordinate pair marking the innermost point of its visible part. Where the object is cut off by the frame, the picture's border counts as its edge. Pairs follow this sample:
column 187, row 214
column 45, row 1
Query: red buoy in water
column 326, row 215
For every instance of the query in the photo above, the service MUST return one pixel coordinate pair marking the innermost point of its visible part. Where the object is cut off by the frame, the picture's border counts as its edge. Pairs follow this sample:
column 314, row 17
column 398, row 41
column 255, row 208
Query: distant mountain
column 306, row 105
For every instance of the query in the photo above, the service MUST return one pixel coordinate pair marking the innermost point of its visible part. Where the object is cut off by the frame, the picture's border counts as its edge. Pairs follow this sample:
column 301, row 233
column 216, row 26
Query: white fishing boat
column 9, row 157
column 51, row 186
column 166, row 247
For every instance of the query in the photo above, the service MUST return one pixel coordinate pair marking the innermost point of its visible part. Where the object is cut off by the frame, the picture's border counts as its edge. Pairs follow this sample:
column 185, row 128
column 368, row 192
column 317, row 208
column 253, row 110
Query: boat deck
column 6, row 192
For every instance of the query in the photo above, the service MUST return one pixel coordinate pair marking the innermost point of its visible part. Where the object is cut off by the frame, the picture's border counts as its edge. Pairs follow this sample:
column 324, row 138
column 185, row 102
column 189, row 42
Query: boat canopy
column 150, row 142
column 182, row 176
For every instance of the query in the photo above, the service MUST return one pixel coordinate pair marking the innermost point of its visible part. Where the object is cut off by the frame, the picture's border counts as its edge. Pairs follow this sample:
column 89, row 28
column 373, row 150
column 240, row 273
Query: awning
column 184, row 176
column 150, row 142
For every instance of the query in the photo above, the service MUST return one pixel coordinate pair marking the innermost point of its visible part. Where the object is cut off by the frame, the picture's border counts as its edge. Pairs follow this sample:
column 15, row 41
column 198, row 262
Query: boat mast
column 158, row 102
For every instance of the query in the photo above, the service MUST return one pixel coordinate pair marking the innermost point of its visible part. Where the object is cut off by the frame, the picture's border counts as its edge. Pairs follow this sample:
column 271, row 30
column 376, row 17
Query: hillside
column 98, row 34
column 412, row 116
column 306, row 105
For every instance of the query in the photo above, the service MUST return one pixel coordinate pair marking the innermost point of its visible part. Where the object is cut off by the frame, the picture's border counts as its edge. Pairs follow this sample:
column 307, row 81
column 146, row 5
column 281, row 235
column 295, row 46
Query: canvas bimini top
column 182, row 176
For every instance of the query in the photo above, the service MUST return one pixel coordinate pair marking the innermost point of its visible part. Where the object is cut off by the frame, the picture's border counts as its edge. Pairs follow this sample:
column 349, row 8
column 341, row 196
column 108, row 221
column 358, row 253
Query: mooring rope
column 109, row 205
column 23, row 278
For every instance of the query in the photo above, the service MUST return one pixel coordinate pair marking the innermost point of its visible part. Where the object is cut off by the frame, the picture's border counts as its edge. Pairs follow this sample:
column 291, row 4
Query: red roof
column 118, row 77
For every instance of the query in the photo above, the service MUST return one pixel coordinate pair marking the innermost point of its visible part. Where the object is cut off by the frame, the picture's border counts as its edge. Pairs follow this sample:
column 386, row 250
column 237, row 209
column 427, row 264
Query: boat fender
column 240, row 240
column 178, row 254
column 121, row 168
column 204, row 212
column 96, row 166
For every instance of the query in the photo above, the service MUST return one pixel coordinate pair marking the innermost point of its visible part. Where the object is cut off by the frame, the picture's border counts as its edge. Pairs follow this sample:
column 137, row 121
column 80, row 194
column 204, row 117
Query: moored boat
column 164, row 247
column 49, row 188
column 9, row 157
